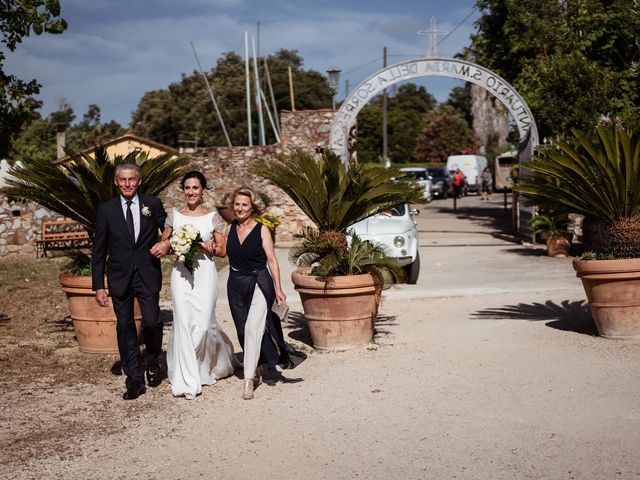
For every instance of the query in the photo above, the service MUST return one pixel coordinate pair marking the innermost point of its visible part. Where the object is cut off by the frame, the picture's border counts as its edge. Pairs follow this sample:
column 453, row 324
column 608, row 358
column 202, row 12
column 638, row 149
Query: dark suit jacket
column 114, row 248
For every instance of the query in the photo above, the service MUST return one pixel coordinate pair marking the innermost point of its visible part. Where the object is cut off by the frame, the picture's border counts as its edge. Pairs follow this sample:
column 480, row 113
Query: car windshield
column 396, row 211
column 437, row 172
column 418, row 174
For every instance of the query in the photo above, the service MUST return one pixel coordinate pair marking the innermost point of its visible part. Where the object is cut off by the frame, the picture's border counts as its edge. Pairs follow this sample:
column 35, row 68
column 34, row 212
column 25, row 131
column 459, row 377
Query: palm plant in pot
column 552, row 227
column 598, row 176
column 339, row 276
column 74, row 190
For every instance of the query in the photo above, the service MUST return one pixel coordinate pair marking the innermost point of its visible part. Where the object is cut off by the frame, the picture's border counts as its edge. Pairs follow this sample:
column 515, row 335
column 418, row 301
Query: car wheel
column 445, row 193
column 413, row 270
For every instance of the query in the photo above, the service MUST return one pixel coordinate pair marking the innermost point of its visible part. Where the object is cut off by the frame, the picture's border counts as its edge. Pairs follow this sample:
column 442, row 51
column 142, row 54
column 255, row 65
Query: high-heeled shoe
column 247, row 388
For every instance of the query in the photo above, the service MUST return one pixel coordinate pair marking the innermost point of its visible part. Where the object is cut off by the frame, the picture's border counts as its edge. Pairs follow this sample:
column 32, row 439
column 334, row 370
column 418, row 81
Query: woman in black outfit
column 252, row 290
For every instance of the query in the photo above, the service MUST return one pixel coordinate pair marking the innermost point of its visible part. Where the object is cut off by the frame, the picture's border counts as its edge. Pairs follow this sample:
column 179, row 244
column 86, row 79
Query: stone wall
column 225, row 168
column 20, row 222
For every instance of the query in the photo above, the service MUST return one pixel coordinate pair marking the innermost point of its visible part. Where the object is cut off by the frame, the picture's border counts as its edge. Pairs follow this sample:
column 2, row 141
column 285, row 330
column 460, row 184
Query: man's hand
column 102, row 298
column 160, row 249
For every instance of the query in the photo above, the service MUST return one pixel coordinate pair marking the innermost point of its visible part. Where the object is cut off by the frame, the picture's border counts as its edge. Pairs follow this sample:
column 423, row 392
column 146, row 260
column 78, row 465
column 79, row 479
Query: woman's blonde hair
column 256, row 203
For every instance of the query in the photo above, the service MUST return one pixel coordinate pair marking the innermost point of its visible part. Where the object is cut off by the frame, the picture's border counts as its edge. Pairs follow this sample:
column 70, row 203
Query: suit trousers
column 126, row 329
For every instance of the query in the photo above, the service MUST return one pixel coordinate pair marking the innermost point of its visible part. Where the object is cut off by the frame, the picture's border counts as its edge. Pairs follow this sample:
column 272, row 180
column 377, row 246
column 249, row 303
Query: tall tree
column 183, row 112
column 446, row 133
column 37, row 139
column 407, row 110
column 460, row 99
column 18, row 18
column 572, row 60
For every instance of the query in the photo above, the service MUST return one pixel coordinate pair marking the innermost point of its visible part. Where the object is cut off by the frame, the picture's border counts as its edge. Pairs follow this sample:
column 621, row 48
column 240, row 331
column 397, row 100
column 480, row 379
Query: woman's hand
column 280, row 296
column 209, row 247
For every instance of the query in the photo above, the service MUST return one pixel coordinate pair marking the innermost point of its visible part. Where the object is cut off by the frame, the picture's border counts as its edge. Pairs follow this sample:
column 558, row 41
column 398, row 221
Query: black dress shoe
column 153, row 377
column 134, row 390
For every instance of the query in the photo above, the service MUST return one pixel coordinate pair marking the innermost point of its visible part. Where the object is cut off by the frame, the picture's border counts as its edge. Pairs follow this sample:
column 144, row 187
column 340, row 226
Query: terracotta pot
column 95, row 326
column 613, row 292
column 559, row 245
column 340, row 312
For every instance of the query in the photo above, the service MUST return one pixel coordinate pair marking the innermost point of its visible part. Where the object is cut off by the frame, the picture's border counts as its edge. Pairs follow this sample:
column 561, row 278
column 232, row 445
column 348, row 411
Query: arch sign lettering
column 432, row 67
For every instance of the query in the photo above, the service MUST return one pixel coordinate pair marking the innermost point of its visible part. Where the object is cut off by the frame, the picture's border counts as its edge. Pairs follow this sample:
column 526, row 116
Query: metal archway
column 433, row 67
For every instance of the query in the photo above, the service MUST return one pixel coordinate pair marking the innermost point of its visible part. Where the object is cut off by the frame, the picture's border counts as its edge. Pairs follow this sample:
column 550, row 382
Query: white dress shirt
column 135, row 211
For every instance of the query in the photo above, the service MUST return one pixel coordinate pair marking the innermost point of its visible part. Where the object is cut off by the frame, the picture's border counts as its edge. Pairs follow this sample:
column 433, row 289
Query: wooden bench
column 61, row 234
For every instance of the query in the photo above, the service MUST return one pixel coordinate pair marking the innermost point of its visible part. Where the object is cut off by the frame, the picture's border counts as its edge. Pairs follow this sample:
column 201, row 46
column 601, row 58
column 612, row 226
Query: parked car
column 396, row 230
column 422, row 176
column 441, row 181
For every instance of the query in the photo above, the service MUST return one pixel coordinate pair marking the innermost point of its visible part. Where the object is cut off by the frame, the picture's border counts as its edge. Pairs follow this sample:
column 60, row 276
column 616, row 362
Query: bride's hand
column 209, row 247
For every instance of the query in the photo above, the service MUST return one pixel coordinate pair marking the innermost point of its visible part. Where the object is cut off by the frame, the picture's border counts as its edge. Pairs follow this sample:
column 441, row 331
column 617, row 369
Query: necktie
column 129, row 218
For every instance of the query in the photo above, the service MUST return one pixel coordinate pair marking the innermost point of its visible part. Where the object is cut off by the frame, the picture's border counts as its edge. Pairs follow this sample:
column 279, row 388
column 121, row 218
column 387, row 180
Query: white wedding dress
column 199, row 352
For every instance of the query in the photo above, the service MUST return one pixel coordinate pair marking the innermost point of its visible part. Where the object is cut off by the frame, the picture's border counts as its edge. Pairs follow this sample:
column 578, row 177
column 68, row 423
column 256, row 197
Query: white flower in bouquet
column 185, row 241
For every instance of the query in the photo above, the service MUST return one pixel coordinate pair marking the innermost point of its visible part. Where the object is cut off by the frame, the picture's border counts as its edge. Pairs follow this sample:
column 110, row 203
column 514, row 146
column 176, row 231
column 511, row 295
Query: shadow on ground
column 527, row 251
column 489, row 215
column 568, row 316
column 299, row 330
column 59, row 325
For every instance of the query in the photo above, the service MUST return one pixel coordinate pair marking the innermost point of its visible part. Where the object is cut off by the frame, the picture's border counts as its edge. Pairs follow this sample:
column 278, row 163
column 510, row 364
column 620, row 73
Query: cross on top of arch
column 432, row 32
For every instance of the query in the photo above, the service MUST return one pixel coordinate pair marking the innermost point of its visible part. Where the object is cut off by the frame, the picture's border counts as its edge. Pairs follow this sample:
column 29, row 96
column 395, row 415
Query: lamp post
column 334, row 83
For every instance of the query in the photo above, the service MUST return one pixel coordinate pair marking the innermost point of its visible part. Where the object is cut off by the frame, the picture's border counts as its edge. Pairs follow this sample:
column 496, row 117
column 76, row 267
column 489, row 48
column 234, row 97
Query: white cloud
column 112, row 60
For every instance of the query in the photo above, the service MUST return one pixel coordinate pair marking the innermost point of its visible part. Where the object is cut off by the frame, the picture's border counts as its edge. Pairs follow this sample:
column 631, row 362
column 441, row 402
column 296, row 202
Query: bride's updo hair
column 199, row 176
column 256, row 202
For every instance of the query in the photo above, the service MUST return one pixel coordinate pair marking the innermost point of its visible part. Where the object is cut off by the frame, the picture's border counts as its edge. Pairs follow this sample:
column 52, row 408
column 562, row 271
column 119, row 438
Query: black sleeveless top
column 248, row 256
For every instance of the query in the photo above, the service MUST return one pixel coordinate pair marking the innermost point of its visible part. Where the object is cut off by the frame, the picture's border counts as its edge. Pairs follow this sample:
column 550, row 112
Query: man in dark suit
column 126, row 242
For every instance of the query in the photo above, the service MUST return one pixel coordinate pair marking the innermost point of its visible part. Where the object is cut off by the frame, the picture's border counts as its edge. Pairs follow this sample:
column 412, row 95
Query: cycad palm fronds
column 367, row 257
column 329, row 255
column 316, row 246
column 332, row 196
column 76, row 188
column 597, row 177
column 547, row 224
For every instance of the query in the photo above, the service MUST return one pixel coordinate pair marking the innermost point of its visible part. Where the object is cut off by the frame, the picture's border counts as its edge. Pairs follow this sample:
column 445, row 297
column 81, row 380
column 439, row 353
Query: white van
column 472, row 167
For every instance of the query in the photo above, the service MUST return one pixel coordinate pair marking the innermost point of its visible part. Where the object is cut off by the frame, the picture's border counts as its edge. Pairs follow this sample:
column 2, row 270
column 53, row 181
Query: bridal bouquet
column 185, row 241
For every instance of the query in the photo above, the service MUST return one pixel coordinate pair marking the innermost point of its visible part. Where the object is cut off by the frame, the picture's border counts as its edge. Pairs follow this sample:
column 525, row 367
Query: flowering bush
column 268, row 221
column 185, row 241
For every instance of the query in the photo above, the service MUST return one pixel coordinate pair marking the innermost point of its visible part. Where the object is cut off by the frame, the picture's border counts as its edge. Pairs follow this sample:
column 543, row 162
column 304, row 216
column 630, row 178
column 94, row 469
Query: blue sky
column 116, row 50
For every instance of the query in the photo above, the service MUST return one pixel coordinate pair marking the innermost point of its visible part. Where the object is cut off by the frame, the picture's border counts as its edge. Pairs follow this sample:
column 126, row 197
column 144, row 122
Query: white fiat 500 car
column 395, row 230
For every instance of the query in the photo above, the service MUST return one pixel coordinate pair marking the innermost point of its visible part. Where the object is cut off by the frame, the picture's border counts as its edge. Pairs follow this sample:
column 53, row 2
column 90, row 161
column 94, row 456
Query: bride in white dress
column 199, row 352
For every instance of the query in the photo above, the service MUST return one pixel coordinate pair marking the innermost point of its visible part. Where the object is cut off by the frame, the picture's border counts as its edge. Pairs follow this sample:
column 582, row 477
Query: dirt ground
column 494, row 383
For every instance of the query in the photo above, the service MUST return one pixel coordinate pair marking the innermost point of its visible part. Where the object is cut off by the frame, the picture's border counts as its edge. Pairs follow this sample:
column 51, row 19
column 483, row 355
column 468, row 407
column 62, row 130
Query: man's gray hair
column 127, row 166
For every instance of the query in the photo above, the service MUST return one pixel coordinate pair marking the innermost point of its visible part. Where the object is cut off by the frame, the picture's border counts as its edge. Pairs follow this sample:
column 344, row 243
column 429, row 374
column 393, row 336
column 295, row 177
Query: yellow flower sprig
column 268, row 220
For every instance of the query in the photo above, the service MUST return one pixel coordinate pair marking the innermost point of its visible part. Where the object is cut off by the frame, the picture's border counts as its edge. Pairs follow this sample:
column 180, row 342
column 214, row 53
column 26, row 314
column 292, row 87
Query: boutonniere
column 145, row 211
